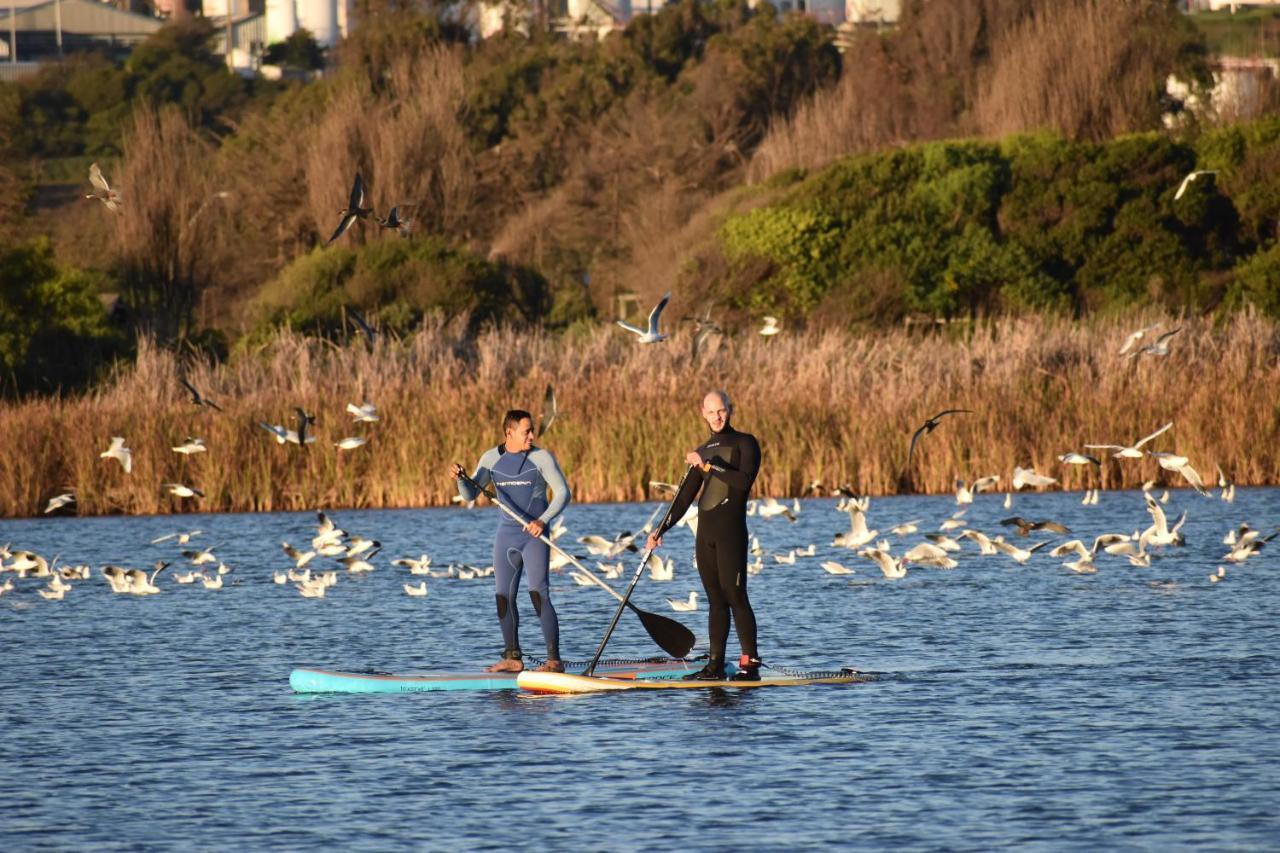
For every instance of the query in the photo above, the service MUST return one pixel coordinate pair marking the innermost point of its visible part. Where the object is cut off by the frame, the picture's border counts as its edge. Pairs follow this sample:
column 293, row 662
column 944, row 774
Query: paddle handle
column 544, row 538
column 635, row 579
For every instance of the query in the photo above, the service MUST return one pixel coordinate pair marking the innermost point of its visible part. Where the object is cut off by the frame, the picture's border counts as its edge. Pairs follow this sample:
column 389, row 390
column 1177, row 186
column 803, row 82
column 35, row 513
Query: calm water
column 1023, row 706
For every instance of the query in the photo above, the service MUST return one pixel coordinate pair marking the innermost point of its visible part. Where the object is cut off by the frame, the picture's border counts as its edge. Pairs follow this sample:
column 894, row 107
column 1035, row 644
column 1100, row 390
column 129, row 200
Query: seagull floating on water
column 684, row 606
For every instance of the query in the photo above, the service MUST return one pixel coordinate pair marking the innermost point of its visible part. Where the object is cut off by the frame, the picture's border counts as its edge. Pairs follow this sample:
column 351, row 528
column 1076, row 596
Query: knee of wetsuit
column 503, row 605
column 536, row 598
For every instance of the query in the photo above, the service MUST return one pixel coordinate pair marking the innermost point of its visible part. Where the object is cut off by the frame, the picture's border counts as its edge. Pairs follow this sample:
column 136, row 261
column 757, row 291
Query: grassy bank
column 825, row 405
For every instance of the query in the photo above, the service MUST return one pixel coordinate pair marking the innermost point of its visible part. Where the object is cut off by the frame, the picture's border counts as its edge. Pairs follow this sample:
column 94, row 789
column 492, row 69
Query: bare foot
column 551, row 666
column 507, row 665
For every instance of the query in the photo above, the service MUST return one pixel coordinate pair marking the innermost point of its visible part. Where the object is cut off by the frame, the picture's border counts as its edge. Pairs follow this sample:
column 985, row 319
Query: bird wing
column 914, row 438
column 1153, row 435
column 630, row 328
column 1182, row 187
column 950, row 412
column 983, row 484
column 656, row 313
column 195, row 395
column 1051, row 526
column 548, row 410
column 357, row 194
column 95, row 178
column 1157, row 517
column 343, row 225
column 1038, row 546
column 1104, row 447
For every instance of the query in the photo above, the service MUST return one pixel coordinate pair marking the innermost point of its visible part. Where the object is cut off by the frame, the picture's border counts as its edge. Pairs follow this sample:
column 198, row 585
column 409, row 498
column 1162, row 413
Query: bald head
column 716, row 410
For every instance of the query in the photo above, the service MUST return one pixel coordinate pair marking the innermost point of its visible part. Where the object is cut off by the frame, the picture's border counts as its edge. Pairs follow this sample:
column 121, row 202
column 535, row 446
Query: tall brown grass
column 1088, row 69
column 829, row 405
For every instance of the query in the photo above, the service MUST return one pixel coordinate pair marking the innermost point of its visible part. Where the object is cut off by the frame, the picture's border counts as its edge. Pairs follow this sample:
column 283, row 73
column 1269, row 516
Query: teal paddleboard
column 309, row 680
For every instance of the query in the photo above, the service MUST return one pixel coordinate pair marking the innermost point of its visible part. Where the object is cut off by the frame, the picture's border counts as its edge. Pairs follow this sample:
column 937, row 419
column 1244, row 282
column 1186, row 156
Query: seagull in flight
column 1029, row 477
column 366, row 413
column 393, row 220
column 1132, row 452
column 1160, row 347
column 353, row 211
column 191, row 445
column 929, row 426
column 1133, row 339
column 182, row 491
column 1025, row 527
column 770, row 327
column 199, row 399
column 1186, row 182
column 350, row 443
column 118, row 451
column 59, row 502
column 549, row 412
column 650, row 335
column 102, row 190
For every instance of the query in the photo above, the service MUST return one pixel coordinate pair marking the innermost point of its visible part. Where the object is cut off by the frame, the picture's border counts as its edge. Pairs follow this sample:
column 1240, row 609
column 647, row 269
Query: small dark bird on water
column 929, row 426
column 353, row 211
column 1025, row 527
column 198, row 398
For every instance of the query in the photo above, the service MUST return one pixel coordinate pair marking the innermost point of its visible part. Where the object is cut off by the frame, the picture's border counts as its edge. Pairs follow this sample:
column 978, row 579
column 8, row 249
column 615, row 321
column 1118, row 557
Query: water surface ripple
column 1024, row 706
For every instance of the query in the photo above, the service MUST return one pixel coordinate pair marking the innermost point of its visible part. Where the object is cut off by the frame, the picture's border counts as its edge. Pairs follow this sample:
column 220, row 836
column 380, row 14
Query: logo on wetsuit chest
column 514, row 482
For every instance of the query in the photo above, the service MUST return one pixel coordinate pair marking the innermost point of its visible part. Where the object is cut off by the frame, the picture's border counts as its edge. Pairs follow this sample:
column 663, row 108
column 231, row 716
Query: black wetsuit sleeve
column 684, row 497
column 745, row 473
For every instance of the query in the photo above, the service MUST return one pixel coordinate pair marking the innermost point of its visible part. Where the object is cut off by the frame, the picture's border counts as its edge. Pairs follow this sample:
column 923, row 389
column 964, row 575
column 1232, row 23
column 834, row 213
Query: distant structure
column 328, row 21
column 33, row 31
column 1233, row 5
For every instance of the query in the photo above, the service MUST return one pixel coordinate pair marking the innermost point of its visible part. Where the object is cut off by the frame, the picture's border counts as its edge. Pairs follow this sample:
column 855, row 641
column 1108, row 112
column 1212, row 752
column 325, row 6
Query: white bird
column 367, row 413
column 1130, row 452
column 118, row 451
column 1073, row 458
column 891, row 568
column 300, row 558
column 659, row 570
column 52, row 594
column 214, row 582
column 312, row 590
column 1008, row 500
column 357, row 545
column 418, row 591
column 199, row 558
column 985, row 546
column 191, row 445
column 769, row 507
column 788, row 559
column 420, row 566
column 1019, row 555
column 102, row 191
column 1029, row 477
column 1159, row 533
column 956, row 520
column 280, row 578
column 965, row 492
column 858, row 534
column 1133, row 338
column 1160, row 347
column 684, row 606
column 651, row 335
column 182, row 491
column 770, row 327
column 350, row 443
column 1191, row 176
column 281, row 434
column 59, row 502
column 906, row 528
column 831, row 567
column 1181, row 465
column 183, row 538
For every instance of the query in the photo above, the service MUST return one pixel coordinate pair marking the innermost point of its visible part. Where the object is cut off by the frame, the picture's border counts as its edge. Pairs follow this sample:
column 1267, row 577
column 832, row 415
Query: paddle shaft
column 635, row 579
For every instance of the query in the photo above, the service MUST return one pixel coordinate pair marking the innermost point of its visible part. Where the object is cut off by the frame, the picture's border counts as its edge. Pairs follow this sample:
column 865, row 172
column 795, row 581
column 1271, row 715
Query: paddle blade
column 672, row 637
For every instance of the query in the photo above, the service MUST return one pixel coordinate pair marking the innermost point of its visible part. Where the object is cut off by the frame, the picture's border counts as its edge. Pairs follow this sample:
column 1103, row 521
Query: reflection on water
column 1015, row 705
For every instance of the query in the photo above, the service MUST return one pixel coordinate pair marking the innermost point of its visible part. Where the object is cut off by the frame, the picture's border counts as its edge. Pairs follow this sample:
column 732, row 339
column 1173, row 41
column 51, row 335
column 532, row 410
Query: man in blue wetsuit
column 521, row 475
column 723, row 468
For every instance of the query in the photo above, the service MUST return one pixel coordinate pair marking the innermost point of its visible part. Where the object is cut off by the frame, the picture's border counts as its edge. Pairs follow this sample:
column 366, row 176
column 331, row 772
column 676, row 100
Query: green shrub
column 398, row 282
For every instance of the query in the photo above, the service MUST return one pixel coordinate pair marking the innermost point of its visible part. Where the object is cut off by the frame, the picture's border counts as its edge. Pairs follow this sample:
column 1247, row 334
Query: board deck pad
column 559, row 682
column 313, row 680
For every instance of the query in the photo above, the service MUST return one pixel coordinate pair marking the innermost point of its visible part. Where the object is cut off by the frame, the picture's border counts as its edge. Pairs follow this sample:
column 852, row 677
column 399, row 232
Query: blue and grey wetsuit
column 522, row 481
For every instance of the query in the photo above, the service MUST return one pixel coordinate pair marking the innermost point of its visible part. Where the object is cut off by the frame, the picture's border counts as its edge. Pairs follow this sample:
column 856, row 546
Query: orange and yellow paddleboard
column 560, row 682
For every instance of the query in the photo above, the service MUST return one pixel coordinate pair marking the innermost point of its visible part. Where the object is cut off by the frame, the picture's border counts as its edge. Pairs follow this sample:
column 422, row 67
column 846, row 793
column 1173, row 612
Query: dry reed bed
column 827, row 405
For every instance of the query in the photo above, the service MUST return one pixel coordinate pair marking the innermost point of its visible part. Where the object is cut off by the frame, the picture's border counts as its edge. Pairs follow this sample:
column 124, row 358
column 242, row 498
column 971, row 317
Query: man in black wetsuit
column 724, row 468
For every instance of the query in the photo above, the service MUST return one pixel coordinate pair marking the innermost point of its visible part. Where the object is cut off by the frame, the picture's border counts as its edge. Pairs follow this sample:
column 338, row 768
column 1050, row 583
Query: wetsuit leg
column 536, row 558
column 507, row 566
column 731, row 569
column 706, row 550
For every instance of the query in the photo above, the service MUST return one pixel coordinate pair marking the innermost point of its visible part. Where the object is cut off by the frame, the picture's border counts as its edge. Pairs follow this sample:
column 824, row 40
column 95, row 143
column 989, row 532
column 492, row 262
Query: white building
column 328, row 21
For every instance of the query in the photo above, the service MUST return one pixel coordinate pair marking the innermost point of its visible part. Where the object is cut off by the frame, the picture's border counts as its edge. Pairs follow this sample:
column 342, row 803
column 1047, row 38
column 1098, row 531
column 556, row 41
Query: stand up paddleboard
column 309, row 680
column 559, row 682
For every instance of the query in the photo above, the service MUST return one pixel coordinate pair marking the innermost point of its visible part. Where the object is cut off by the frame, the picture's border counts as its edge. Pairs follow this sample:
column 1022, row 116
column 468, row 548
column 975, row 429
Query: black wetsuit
column 722, row 533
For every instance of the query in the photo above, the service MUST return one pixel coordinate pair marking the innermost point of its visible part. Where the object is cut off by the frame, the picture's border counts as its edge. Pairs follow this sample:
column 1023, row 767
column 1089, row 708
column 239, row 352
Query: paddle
column 672, row 637
column 635, row 579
